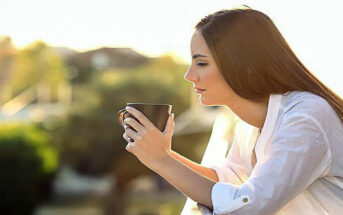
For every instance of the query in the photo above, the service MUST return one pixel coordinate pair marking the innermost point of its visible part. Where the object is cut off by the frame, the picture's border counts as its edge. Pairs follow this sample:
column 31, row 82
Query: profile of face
column 204, row 74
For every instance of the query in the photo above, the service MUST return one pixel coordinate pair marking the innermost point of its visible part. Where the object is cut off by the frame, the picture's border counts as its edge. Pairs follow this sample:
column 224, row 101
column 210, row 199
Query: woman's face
column 204, row 74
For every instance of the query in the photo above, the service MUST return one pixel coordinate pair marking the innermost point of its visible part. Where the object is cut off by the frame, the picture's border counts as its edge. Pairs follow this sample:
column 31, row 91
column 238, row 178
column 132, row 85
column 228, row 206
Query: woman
column 292, row 163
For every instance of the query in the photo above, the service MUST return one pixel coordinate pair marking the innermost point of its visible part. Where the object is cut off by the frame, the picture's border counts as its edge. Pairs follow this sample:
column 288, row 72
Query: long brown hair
column 255, row 59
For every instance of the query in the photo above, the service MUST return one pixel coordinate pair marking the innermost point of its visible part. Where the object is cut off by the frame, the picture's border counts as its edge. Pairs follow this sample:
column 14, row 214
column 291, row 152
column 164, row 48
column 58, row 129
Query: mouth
column 199, row 90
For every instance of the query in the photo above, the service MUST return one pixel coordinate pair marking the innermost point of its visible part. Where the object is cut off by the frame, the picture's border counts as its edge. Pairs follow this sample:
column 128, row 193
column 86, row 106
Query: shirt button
column 245, row 200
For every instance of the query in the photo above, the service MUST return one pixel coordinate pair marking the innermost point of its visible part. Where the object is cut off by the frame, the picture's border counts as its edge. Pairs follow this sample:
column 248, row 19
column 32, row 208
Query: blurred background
column 67, row 67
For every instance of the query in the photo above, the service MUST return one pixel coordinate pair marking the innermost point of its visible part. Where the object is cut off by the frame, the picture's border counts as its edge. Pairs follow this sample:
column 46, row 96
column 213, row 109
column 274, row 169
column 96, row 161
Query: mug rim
column 148, row 104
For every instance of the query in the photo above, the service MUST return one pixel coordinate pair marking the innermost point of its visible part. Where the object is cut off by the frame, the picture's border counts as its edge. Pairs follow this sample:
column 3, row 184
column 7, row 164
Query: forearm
column 188, row 181
column 205, row 171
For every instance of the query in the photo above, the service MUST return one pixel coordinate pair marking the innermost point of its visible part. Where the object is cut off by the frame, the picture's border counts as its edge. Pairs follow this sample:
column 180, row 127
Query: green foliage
column 37, row 63
column 6, row 55
column 27, row 164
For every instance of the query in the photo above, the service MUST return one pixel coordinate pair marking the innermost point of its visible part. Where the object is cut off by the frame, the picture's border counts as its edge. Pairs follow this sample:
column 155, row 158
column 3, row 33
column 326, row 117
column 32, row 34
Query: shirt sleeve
column 299, row 154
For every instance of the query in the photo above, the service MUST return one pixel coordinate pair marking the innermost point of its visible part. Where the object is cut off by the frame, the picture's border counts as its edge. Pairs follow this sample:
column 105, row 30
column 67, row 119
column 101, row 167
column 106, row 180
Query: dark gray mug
column 157, row 113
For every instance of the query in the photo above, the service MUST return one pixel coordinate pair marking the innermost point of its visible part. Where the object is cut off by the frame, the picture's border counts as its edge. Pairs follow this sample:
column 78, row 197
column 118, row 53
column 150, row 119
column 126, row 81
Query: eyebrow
column 198, row 55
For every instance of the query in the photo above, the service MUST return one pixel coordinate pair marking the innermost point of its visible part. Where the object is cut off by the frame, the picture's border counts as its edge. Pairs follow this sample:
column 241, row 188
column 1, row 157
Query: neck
column 252, row 112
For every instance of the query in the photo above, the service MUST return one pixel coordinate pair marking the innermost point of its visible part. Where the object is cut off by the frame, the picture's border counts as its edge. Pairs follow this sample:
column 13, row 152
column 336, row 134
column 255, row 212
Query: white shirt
column 299, row 167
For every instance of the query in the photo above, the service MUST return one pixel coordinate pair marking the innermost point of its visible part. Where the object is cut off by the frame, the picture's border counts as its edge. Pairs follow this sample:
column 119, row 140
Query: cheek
column 216, row 82
column 209, row 77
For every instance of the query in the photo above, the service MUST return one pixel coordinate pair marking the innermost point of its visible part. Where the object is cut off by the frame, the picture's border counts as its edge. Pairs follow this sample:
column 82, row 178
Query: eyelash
column 201, row 64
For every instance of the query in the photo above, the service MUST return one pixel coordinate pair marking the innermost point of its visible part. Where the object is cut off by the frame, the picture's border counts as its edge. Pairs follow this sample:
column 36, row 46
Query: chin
column 205, row 102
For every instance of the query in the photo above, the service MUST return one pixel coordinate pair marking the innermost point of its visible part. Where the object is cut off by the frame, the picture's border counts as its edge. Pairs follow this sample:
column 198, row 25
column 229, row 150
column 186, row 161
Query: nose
column 190, row 75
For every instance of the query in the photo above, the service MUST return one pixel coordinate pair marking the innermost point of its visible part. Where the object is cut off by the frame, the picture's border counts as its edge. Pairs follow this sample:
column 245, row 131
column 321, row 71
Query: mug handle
column 121, row 114
column 121, row 118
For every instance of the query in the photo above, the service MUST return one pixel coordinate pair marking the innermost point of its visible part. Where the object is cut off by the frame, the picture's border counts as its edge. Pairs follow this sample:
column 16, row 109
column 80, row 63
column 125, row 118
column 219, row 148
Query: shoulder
column 304, row 112
column 306, row 104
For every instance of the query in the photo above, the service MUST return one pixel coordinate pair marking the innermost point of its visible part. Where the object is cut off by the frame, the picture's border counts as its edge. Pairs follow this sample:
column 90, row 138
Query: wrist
column 162, row 163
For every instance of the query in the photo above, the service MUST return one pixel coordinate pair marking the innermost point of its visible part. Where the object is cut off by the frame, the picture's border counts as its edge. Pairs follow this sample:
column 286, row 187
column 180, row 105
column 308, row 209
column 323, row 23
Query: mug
column 158, row 114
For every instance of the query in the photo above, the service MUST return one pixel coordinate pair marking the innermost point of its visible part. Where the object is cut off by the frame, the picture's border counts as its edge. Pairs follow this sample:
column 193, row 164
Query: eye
column 199, row 63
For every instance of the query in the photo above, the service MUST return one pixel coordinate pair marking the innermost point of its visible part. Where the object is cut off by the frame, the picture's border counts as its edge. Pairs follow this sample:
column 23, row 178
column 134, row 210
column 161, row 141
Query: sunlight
column 154, row 27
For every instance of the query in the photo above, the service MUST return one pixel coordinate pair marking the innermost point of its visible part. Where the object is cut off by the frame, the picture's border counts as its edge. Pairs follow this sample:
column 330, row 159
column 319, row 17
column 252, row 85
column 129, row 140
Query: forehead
column 198, row 45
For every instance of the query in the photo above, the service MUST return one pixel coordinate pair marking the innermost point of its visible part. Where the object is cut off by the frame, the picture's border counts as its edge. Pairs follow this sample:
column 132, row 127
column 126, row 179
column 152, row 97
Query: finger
column 130, row 147
column 134, row 124
column 128, row 139
column 132, row 134
column 126, row 115
column 140, row 116
column 170, row 124
column 125, row 137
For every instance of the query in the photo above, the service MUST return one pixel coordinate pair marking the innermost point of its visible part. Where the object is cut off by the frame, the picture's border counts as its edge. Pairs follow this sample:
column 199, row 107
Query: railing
column 35, row 102
column 19, row 102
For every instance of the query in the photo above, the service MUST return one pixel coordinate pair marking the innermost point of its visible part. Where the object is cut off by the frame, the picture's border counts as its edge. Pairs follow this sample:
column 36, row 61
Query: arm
column 295, row 160
column 205, row 171
column 231, row 169
column 194, row 185
column 298, row 154
column 153, row 148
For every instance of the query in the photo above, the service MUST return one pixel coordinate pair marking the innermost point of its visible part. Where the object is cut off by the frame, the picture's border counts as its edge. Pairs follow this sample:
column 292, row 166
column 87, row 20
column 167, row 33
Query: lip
column 200, row 91
column 199, row 88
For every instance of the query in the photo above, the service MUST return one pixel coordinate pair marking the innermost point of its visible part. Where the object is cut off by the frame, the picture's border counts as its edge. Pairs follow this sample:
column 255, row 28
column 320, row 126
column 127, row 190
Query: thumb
column 170, row 124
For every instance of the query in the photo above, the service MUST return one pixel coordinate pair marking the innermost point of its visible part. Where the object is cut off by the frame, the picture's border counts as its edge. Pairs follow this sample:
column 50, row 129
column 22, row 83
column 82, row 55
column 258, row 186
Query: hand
column 150, row 145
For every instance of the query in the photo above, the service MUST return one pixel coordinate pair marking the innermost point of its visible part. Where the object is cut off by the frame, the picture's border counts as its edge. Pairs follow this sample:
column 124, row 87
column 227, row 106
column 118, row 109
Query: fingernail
column 128, row 108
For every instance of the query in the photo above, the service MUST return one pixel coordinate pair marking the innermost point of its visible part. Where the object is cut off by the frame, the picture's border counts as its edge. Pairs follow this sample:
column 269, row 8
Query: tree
column 37, row 63
column 28, row 163
column 7, row 53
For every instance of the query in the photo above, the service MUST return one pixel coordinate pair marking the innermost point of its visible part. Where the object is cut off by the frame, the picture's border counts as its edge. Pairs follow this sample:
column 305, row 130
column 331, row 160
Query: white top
column 299, row 167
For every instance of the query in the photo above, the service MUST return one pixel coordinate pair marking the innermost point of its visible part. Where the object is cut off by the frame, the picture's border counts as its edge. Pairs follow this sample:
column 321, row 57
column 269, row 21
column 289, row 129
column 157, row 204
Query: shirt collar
column 274, row 104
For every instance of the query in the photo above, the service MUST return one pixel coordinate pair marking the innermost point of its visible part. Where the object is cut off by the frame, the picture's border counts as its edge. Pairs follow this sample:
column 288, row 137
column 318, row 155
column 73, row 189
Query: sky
column 154, row 27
